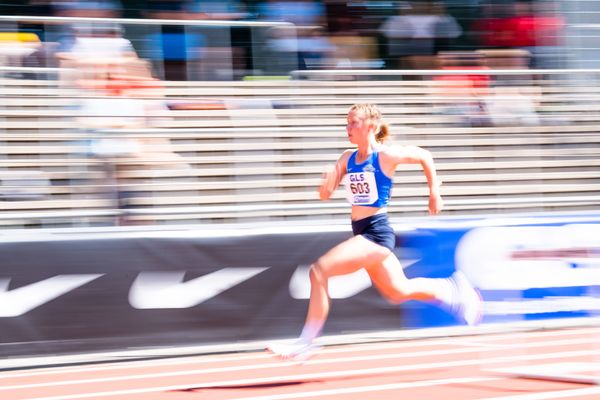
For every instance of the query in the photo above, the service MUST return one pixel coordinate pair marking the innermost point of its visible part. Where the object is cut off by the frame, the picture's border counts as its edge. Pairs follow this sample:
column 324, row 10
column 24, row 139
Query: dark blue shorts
column 377, row 229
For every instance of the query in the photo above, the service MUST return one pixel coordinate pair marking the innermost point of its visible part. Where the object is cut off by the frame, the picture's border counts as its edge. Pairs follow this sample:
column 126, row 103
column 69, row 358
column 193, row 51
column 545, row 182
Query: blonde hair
column 372, row 112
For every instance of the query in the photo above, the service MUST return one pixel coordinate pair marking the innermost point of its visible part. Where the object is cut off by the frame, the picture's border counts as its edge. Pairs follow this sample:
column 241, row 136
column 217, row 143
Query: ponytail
column 383, row 134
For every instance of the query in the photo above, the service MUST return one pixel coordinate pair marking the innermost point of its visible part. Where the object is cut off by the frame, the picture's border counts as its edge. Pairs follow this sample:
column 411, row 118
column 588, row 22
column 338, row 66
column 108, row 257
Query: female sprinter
column 369, row 171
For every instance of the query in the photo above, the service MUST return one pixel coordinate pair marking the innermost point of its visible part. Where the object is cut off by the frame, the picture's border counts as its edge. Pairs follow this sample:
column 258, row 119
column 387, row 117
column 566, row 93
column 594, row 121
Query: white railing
column 437, row 72
column 133, row 21
column 258, row 37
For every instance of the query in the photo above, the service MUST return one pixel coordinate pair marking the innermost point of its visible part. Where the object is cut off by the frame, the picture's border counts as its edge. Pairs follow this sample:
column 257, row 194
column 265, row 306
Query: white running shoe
column 469, row 305
column 299, row 350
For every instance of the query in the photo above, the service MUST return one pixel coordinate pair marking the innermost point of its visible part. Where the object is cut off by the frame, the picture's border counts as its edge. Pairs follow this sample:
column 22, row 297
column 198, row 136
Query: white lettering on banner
column 524, row 257
column 16, row 302
column 340, row 287
column 158, row 290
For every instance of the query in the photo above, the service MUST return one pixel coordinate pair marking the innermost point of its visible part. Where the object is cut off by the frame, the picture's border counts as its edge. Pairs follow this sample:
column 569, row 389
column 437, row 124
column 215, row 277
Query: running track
column 453, row 368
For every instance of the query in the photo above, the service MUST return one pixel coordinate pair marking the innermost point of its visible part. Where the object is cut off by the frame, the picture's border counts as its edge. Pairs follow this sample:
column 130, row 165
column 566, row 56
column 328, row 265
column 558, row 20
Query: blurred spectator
column 165, row 9
column 507, row 59
column 99, row 42
column 178, row 49
column 446, row 29
column 117, row 100
column 222, row 60
column 354, row 51
column 217, row 9
column 105, row 76
column 120, row 93
column 315, row 49
column 540, row 29
column 95, row 48
column 309, row 41
column 465, row 93
column 412, row 35
column 45, row 57
column 533, row 26
column 104, row 64
column 512, row 106
column 40, row 8
column 483, row 99
column 339, row 19
column 126, row 99
column 493, row 29
column 301, row 13
column 354, row 42
column 513, row 99
column 88, row 8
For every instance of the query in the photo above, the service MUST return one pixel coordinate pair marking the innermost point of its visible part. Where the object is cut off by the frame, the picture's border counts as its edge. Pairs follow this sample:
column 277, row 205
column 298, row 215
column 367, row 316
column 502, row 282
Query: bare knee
column 317, row 274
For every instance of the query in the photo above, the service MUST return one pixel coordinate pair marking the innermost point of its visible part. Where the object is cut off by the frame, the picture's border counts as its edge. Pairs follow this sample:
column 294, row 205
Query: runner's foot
column 468, row 304
column 299, row 350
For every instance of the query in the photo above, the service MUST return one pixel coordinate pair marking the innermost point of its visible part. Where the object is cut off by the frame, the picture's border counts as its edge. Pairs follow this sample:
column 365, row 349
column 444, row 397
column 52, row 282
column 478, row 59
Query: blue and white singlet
column 366, row 184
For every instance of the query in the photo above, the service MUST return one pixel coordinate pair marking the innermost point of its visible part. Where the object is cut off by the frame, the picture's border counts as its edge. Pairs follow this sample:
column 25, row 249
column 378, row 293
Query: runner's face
column 358, row 127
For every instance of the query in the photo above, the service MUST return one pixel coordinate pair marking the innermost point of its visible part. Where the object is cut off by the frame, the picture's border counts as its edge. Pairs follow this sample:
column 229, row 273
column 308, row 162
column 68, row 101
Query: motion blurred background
column 209, row 112
column 209, row 116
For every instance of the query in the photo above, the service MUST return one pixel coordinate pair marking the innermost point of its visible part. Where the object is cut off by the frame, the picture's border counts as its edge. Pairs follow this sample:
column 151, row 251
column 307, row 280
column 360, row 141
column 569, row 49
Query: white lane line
column 557, row 394
column 319, row 376
column 458, row 341
column 372, row 388
column 436, row 382
column 201, row 360
column 206, row 371
column 574, row 372
column 543, row 328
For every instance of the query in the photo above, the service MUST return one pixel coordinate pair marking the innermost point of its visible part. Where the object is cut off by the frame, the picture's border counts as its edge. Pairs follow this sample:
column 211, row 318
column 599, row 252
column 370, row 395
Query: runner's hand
column 436, row 203
column 328, row 184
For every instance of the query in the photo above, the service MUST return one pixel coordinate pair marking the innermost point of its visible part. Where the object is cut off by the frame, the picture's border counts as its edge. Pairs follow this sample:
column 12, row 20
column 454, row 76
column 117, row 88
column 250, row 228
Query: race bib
column 361, row 188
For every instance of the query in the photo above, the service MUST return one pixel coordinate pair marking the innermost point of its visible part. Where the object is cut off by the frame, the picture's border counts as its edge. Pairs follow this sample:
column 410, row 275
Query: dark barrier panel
column 106, row 293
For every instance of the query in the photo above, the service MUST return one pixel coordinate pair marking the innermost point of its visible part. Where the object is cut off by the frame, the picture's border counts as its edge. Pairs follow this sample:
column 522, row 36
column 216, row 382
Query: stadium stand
column 252, row 151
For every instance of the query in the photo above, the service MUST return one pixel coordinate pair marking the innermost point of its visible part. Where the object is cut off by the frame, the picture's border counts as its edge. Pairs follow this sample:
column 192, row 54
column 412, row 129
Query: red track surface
column 452, row 368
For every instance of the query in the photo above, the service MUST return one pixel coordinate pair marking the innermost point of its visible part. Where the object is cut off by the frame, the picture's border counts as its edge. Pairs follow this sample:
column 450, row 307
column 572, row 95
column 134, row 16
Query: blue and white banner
column 525, row 267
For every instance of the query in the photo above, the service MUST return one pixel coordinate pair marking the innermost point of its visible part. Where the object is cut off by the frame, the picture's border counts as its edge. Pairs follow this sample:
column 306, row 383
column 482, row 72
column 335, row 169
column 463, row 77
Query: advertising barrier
column 536, row 267
column 64, row 293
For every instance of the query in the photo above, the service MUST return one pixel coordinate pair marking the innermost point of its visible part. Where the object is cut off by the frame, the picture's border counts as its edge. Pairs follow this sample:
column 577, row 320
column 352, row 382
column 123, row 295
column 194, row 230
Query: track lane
column 452, row 368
